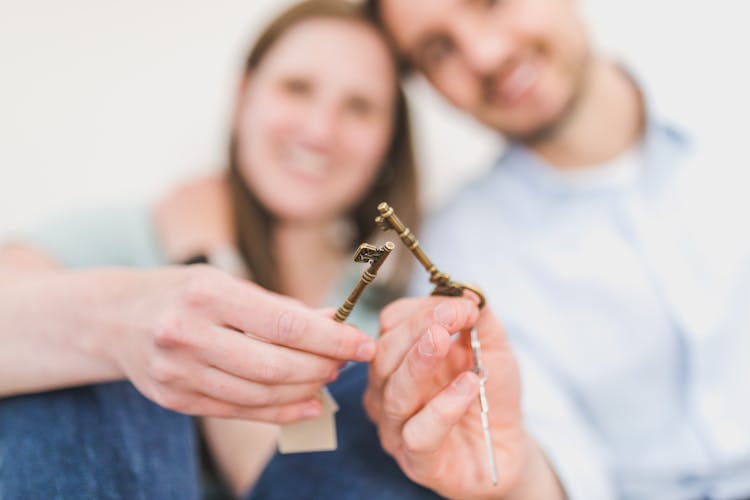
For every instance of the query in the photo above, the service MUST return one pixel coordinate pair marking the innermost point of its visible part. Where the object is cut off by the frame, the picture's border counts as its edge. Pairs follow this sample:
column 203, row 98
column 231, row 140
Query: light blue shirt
column 626, row 297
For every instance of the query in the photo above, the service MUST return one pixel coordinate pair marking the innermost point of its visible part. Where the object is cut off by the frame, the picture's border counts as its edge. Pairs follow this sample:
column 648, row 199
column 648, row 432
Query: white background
column 104, row 100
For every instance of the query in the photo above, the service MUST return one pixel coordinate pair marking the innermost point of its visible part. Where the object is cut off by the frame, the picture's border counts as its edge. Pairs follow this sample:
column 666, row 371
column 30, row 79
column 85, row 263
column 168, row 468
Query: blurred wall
column 112, row 101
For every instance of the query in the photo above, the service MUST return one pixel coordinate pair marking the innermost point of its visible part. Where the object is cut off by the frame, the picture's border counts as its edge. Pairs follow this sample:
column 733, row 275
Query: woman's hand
column 198, row 341
column 193, row 339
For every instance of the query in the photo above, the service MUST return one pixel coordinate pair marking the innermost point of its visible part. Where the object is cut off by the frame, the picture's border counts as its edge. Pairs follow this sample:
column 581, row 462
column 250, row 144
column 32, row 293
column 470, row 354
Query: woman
column 320, row 136
column 317, row 143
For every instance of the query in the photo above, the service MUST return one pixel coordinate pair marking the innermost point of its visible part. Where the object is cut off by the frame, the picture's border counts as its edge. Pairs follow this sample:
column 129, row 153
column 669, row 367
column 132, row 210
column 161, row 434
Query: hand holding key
column 422, row 395
column 422, row 385
column 445, row 286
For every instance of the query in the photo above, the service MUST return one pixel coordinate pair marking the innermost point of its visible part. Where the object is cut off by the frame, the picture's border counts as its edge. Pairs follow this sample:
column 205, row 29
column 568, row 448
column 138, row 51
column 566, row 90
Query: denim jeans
column 359, row 469
column 104, row 442
column 109, row 442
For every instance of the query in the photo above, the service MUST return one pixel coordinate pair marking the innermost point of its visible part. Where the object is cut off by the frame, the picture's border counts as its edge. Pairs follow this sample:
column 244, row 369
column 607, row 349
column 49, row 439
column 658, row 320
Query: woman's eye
column 296, row 86
column 359, row 106
column 487, row 4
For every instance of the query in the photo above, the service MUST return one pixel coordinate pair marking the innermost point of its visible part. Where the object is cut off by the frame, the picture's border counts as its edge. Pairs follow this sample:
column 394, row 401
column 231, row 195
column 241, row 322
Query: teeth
column 519, row 81
column 307, row 162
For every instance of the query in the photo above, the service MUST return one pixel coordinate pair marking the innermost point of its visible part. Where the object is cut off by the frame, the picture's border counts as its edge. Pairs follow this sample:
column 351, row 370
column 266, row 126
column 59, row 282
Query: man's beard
column 547, row 132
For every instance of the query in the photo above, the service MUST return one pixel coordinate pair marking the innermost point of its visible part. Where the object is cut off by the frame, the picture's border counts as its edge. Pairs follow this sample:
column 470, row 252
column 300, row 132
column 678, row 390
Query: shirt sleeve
column 560, row 429
column 114, row 236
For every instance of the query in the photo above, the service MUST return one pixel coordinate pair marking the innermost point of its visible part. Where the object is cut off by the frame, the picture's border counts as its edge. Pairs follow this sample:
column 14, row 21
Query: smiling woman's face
column 316, row 119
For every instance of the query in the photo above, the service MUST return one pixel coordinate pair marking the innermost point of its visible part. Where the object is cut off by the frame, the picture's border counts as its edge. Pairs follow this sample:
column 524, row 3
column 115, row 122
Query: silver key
column 480, row 370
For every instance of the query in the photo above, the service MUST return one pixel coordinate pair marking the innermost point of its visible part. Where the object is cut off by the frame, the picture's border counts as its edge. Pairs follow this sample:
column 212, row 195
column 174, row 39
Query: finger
column 453, row 314
column 426, row 431
column 257, row 361
column 284, row 414
column 328, row 312
column 285, row 322
column 400, row 310
column 490, row 330
column 500, row 363
column 228, row 388
column 414, row 383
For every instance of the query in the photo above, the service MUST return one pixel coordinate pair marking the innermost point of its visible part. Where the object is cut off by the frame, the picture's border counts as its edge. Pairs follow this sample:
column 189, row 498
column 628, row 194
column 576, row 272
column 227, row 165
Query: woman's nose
column 320, row 124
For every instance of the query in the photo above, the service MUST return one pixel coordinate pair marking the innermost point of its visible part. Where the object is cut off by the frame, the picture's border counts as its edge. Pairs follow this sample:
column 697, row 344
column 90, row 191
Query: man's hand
column 423, row 398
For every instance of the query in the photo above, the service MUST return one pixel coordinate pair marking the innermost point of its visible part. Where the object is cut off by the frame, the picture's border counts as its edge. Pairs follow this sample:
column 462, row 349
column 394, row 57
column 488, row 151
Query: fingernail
column 427, row 344
column 445, row 313
column 312, row 410
column 463, row 385
column 366, row 351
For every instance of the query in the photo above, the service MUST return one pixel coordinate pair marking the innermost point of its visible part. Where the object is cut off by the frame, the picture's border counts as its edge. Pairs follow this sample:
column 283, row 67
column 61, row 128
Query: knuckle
column 163, row 371
column 168, row 331
column 326, row 370
column 389, row 444
column 290, row 327
column 172, row 401
column 264, row 396
column 467, row 310
column 344, row 347
column 414, row 366
column 282, row 415
column 442, row 415
column 232, row 411
column 394, row 406
column 308, row 391
column 379, row 372
column 269, row 372
column 384, row 365
column 387, row 320
column 389, row 314
column 411, row 439
column 419, row 321
column 200, row 289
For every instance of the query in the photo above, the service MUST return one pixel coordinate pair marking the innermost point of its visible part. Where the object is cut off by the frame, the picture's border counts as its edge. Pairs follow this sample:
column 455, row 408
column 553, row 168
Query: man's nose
column 484, row 47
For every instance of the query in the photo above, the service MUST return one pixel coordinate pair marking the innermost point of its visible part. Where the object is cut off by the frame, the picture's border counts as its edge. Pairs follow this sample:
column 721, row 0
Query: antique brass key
column 319, row 434
column 388, row 220
column 375, row 257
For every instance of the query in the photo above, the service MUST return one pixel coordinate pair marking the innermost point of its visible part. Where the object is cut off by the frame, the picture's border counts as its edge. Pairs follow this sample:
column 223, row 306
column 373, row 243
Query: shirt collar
column 661, row 144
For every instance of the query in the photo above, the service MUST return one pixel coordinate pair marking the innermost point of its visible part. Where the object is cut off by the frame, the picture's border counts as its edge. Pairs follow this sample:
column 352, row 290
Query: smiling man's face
column 519, row 66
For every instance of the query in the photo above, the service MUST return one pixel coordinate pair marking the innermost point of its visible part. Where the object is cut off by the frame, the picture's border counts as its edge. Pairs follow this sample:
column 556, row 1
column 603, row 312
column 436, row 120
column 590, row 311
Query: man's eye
column 436, row 53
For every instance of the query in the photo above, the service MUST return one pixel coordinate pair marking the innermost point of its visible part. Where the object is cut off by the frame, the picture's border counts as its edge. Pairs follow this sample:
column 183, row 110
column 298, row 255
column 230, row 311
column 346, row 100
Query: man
column 613, row 251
